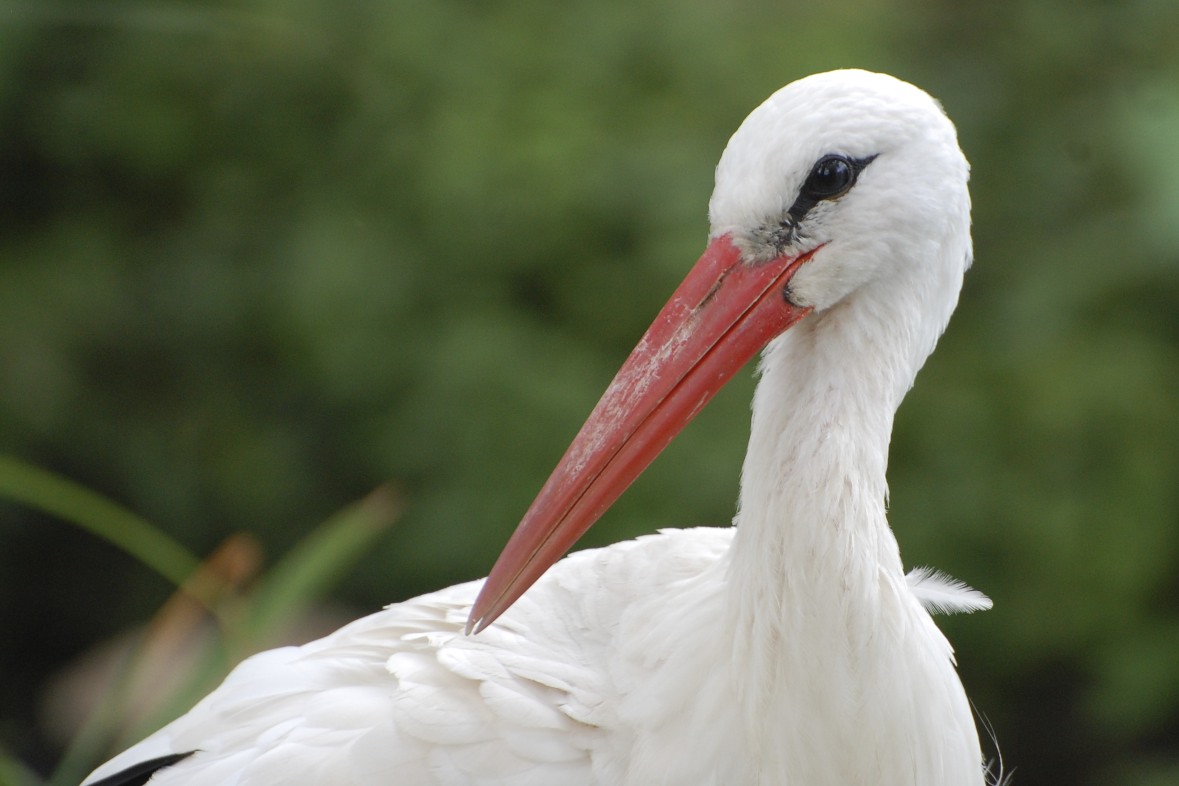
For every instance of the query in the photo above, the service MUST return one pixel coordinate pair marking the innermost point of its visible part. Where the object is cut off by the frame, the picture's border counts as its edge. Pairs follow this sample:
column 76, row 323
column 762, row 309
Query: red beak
column 722, row 314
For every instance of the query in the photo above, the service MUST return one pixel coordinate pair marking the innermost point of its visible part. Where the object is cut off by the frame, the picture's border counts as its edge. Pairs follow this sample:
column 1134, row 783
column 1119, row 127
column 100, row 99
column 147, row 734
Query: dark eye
column 831, row 176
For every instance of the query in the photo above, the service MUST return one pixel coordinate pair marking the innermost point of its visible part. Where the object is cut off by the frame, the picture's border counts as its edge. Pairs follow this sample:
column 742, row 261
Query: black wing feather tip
column 138, row 774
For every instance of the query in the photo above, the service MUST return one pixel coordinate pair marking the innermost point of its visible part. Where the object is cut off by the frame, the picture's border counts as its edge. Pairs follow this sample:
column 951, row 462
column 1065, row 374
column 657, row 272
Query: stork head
column 861, row 166
column 839, row 183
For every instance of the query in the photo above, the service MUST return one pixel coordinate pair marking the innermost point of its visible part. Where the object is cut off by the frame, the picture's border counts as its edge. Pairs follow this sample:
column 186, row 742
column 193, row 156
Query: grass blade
column 50, row 493
column 318, row 559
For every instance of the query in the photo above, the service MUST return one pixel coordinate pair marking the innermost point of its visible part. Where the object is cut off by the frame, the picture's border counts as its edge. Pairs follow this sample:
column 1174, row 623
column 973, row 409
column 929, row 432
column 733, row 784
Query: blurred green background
column 257, row 258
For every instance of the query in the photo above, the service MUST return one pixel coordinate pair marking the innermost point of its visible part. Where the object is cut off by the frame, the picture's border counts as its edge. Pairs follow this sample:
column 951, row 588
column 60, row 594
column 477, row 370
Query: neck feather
column 813, row 556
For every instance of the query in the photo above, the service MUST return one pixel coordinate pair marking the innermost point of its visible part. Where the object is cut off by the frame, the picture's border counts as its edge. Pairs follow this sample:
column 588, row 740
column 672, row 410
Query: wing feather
column 404, row 697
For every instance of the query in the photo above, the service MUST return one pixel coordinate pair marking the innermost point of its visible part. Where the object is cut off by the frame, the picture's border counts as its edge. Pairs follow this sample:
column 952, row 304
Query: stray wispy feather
column 942, row 594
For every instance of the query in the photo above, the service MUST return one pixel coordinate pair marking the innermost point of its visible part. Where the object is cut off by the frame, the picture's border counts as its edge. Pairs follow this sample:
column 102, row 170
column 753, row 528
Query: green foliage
column 246, row 622
column 57, row 496
column 257, row 258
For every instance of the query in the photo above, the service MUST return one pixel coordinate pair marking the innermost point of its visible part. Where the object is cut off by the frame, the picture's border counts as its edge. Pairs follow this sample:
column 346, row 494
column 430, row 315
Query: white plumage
column 791, row 649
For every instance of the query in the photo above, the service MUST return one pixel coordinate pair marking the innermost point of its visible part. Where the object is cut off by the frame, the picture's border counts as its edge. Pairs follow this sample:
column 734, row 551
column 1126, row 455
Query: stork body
column 791, row 649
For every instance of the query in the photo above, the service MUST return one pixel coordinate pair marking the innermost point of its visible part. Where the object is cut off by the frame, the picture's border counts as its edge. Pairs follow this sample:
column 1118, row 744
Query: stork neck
column 820, row 613
column 812, row 539
column 813, row 558
column 814, row 473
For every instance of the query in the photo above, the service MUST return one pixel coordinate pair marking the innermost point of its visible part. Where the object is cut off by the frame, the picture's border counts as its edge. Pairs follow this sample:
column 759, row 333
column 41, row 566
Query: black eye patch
column 831, row 177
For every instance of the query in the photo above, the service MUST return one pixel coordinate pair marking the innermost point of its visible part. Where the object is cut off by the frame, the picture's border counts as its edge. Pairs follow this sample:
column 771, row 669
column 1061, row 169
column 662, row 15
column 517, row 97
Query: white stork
column 791, row 649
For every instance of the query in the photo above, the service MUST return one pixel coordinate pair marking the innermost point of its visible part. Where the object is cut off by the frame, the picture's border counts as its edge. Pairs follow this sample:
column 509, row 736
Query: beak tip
column 477, row 622
column 484, row 611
